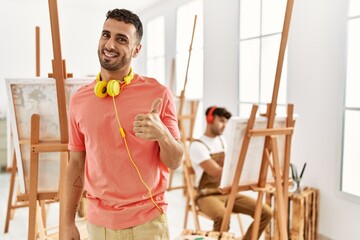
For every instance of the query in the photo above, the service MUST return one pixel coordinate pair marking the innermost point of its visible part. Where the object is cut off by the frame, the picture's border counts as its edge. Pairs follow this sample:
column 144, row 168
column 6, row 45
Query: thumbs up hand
column 149, row 126
column 155, row 104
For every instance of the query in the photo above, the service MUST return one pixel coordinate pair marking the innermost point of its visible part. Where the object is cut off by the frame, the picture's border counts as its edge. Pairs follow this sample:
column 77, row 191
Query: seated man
column 207, row 157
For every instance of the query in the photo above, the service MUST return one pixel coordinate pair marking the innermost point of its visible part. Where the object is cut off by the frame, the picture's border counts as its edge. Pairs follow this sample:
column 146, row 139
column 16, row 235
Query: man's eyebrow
column 116, row 35
column 121, row 35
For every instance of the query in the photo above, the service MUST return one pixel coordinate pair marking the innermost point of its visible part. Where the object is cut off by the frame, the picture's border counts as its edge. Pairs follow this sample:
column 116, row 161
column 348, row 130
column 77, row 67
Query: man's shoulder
column 199, row 143
column 150, row 80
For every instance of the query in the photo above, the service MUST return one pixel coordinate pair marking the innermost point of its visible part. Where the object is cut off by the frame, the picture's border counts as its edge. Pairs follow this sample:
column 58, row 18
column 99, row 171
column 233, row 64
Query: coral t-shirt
column 116, row 196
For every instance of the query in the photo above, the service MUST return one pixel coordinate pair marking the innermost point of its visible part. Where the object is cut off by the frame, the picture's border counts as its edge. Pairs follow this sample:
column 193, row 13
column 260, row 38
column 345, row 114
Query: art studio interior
column 287, row 70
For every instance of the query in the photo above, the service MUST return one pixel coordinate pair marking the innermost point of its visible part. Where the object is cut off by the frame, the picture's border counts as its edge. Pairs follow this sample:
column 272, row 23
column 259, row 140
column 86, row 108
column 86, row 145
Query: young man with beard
column 123, row 138
column 207, row 156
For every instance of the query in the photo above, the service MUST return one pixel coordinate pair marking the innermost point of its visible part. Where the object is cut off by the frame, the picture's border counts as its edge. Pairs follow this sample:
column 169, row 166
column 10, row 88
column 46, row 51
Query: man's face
column 218, row 126
column 117, row 45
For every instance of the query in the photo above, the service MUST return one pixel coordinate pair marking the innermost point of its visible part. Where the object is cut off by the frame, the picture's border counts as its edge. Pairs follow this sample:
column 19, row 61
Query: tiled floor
column 175, row 214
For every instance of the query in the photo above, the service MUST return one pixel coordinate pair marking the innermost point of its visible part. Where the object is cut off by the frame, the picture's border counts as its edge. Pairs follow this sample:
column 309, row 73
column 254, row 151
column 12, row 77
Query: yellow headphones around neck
column 112, row 87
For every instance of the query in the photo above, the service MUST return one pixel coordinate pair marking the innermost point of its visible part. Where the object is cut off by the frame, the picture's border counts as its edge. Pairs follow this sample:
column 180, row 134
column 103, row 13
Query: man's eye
column 122, row 40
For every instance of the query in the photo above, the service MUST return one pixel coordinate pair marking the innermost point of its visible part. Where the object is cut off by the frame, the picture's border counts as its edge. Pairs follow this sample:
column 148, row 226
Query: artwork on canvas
column 234, row 134
column 37, row 96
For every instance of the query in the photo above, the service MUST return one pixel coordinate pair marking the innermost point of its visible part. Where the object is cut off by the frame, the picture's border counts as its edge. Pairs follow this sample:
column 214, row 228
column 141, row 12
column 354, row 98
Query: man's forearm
column 171, row 151
column 74, row 185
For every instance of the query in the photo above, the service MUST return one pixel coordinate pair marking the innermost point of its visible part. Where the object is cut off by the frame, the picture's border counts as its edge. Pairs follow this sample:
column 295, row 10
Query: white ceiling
column 136, row 6
column 133, row 5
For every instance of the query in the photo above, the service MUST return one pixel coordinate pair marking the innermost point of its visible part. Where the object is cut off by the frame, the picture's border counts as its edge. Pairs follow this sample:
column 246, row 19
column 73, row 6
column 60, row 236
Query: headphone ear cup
column 210, row 118
column 210, row 115
column 113, row 88
column 129, row 77
column 100, row 89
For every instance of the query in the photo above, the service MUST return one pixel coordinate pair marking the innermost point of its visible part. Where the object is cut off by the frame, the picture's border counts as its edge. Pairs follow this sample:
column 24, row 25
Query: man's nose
column 110, row 44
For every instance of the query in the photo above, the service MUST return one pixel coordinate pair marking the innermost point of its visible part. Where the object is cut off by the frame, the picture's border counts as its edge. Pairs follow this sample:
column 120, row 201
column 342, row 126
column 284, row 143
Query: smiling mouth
column 108, row 54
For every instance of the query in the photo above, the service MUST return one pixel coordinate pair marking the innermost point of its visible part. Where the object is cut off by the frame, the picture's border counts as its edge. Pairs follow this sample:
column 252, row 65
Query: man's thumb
column 155, row 104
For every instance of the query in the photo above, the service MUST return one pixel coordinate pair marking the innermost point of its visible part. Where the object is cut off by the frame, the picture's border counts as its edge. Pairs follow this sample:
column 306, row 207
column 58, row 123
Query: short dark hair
column 127, row 16
column 219, row 111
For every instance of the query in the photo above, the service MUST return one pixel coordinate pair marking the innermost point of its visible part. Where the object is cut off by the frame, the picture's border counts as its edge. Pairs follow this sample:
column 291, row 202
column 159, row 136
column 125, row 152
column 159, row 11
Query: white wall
column 315, row 82
column 317, row 73
column 221, row 50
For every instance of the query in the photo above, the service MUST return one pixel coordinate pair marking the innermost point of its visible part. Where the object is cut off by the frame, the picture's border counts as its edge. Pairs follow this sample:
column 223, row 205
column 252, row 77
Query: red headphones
column 210, row 115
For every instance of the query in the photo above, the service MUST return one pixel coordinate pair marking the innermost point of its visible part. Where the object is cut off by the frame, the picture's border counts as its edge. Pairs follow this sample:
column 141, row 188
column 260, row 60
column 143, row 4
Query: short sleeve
column 76, row 137
column 198, row 152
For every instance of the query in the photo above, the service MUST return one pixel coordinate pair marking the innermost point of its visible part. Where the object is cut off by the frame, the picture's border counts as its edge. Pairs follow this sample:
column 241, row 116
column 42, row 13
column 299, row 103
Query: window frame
column 260, row 95
column 347, row 109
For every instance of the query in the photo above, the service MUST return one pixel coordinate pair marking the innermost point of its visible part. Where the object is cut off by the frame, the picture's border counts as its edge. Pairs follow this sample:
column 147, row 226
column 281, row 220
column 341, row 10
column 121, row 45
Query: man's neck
column 210, row 135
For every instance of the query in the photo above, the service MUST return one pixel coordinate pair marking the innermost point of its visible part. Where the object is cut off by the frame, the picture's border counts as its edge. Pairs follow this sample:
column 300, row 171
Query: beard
column 113, row 66
column 217, row 131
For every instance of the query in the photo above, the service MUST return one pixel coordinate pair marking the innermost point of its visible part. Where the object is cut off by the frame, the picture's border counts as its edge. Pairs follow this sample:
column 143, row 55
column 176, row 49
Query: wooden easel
column 20, row 200
column 13, row 169
column 186, row 136
column 270, row 157
column 40, row 146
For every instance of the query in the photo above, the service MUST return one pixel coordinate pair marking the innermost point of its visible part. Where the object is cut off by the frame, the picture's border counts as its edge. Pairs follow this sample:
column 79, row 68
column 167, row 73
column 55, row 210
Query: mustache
column 109, row 50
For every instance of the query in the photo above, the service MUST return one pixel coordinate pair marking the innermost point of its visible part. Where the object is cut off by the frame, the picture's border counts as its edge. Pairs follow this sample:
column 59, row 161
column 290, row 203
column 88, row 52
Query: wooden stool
column 302, row 215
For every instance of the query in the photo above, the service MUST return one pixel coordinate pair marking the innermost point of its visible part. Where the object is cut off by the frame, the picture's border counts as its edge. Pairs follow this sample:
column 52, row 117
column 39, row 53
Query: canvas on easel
column 234, row 134
column 31, row 99
column 36, row 96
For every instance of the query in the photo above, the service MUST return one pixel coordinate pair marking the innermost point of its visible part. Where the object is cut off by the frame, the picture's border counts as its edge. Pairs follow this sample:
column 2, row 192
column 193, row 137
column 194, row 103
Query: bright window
column 194, row 86
column 261, row 23
column 350, row 177
column 184, row 28
column 155, row 49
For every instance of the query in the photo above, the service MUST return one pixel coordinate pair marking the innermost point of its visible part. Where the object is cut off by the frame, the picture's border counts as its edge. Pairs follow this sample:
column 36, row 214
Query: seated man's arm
column 212, row 168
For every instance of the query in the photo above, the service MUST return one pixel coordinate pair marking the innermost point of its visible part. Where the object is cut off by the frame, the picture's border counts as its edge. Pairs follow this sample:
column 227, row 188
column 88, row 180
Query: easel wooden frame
column 182, row 118
column 58, row 146
column 270, row 150
column 37, row 146
column 13, row 167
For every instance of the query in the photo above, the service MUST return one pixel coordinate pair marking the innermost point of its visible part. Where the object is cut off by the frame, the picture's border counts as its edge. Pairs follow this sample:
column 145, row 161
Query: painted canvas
column 27, row 97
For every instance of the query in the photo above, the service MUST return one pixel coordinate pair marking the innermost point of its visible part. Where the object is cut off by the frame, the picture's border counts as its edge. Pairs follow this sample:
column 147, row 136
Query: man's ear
column 136, row 50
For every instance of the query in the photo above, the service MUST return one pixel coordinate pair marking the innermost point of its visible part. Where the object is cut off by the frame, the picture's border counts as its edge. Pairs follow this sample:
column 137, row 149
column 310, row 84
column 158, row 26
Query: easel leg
column 32, row 208
column 43, row 211
column 63, row 166
column 40, row 223
column 186, row 213
column 11, row 193
column 239, row 167
column 34, row 167
column 257, row 216
column 280, row 203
